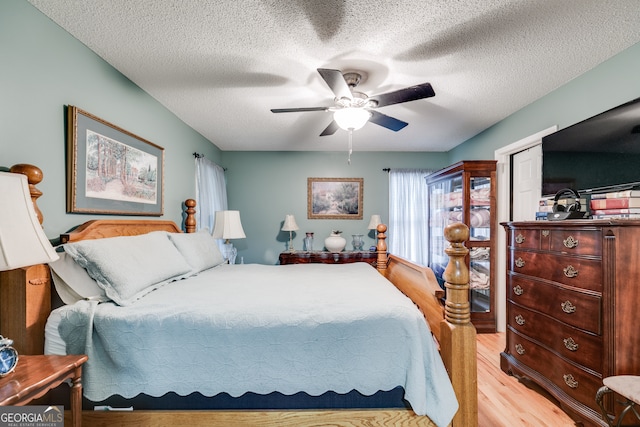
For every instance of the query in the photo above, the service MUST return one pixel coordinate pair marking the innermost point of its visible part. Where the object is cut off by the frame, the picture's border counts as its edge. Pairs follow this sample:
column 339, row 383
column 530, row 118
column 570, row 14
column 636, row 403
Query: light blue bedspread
column 259, row 328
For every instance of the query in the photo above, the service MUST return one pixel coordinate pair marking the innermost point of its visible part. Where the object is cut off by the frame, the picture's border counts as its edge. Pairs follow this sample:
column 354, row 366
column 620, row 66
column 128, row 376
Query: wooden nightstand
column 324, row 257
column 36, row 375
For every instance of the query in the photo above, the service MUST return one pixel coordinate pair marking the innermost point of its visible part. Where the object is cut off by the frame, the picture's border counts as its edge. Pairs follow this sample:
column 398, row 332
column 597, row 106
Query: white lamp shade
column 227, row 225
column 290, row 223
column 351, row 118
column 374, row 222
column 22, row 240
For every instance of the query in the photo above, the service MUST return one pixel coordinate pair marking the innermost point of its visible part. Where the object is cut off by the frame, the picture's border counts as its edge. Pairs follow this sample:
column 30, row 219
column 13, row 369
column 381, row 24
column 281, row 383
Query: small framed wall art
column 334, row 198
column 111, row 170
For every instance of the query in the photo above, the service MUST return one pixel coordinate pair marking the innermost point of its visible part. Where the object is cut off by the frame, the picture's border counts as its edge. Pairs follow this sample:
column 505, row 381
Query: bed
column 450, row 325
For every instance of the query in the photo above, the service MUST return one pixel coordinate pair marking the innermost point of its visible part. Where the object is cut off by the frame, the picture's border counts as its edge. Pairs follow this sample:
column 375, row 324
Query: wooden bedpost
column 457, row 333
column 34, row 176
column 25, row 293
column 190, row 221
column 381, row 248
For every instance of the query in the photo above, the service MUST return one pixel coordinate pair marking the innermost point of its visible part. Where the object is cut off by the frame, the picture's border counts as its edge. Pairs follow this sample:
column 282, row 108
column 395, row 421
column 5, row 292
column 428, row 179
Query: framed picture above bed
column 111, row 170
column 334, row 198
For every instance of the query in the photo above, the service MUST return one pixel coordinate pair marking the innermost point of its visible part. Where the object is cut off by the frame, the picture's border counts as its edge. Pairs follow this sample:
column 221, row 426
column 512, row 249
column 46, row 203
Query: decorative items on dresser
column 465, row 192
column 326, row 257
column 572, row 298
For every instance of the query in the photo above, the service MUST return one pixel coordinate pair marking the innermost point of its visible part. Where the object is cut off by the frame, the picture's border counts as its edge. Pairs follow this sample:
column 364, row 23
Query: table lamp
column 22, row 243
column 290, row 226
column 227, row 226
column 373, row 225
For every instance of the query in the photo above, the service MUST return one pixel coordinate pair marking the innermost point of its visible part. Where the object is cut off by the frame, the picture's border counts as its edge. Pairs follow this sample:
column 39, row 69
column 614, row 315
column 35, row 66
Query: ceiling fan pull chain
column 350, row 145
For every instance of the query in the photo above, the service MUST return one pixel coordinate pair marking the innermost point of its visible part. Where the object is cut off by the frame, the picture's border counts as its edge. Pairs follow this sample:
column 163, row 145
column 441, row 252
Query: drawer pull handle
column 570, row 381
column 517, row 289
column 570, row 271
column 519, row 349
column 519, row 238
column 570, row 242
column 519, row 262
column 520, row 320
column 545, row 233
column 568, row 307
column 570, row 344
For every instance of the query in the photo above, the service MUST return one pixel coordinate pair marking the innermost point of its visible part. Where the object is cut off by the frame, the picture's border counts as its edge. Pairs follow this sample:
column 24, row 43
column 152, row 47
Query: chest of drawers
column 572, row 291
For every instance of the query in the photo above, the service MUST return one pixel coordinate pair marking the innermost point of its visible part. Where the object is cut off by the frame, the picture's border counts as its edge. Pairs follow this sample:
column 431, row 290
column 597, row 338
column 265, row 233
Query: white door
column 527, row 183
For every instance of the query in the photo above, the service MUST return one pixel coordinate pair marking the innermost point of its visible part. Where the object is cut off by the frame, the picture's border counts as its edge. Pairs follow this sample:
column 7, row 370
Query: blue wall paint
column 266, row 186
column 44, row 69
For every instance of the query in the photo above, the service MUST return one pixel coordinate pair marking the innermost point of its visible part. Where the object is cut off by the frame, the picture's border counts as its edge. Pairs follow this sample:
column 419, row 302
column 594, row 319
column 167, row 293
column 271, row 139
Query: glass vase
column 357, row 242
column 308, row 242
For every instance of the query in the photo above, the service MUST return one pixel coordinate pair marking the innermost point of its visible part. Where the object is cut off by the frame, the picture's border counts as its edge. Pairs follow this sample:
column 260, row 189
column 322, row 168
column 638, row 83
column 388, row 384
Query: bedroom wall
column 44, row 69
column 610, row 84
column 266, row 186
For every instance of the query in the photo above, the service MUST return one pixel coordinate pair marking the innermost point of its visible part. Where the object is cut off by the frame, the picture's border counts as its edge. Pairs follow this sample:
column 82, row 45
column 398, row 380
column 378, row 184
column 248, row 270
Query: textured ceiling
column 221, row 65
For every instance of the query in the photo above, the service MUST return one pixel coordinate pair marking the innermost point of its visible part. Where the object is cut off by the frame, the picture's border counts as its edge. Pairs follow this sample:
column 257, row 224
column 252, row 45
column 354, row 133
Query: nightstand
column 325, row 257
column 36, row 375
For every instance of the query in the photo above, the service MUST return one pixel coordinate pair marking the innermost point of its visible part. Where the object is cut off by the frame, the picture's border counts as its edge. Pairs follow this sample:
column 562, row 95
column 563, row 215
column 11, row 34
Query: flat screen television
column 599, row 154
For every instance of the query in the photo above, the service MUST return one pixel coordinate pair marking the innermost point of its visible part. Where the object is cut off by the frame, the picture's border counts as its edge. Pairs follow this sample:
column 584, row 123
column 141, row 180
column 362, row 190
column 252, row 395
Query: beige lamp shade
column 227, row 225
column 374, row 222
column 22, row 240
column 290, row 223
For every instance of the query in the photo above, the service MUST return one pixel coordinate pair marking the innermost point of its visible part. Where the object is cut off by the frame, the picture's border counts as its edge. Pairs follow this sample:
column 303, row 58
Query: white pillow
column 199, row 249
column 72, row 282
column 128, row 267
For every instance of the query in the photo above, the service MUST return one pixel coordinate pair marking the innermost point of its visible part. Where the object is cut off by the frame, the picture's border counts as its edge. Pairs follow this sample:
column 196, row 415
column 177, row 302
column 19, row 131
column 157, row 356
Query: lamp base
column 229, row 253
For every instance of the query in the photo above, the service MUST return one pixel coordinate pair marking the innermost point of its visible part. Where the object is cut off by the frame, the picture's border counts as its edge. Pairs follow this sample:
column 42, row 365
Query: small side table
column 36, row 375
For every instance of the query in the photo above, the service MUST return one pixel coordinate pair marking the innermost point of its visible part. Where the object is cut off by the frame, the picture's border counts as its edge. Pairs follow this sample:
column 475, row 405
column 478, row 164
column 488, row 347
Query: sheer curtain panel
column 211, row 192
column 408, row 214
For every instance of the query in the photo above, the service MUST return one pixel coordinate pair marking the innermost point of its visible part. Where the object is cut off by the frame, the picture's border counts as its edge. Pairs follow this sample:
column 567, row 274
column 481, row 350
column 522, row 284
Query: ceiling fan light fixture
column 351, row 118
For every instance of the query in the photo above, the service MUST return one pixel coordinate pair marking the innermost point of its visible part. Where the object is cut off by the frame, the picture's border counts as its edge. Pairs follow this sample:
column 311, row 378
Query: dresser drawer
column 528, row 239
column 578, row 242
column 578, row 383
column 571, row 343
column 572, row 271
column 574, row 308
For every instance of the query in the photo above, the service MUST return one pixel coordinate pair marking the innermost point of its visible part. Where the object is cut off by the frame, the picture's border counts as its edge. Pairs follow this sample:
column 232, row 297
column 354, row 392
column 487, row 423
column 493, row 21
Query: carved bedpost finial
column 34, row 176
column 456, row 275
column 190, row 221
column 381, row 248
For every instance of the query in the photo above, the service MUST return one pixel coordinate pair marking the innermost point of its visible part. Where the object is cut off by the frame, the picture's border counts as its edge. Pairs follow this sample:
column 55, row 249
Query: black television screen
column 596, row 155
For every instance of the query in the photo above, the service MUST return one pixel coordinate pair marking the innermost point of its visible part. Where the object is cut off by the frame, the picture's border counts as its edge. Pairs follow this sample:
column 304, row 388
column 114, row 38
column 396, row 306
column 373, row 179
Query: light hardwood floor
column 503, row 400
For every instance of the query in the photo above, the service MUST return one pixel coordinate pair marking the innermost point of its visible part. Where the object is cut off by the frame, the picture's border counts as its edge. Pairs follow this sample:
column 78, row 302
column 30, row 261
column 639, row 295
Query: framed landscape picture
column 334, row 198
column 110, row 170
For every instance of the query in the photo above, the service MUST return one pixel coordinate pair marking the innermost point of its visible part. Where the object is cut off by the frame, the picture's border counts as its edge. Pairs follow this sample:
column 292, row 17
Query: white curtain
column 211, row 192
column 409, row 214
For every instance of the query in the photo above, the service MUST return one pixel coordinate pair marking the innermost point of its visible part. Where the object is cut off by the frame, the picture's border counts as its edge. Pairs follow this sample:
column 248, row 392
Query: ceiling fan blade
column 297, row 110
column 386, row 121
column 404, row 95
column 336, row 82
column 331, row 129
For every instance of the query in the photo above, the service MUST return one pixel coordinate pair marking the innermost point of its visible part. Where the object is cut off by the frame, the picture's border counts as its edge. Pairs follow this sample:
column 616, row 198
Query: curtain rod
column 200, row 156
column 387, row 169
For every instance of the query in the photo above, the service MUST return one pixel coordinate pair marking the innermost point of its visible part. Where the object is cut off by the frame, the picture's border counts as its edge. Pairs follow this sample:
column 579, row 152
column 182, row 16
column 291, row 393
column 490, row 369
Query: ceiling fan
column 352, row 109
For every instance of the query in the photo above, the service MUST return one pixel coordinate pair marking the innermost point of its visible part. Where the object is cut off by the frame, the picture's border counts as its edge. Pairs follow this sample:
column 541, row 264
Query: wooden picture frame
column 111, row 170
column 334, row 198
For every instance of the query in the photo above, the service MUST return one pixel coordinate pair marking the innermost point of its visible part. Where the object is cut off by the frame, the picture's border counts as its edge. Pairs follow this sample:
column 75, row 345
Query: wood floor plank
column 503, row 401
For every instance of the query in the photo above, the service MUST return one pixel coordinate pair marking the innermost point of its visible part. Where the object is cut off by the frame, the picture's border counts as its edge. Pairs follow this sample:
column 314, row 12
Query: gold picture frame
column 111, row 170
column 335, row 198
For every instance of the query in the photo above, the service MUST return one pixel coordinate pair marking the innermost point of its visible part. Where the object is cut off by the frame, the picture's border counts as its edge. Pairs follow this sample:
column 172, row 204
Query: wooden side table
column 36, row 375
column 325, row 257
